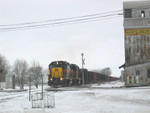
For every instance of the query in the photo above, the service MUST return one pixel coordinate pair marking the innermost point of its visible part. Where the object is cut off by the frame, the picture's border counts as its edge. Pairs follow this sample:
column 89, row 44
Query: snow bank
column 109, row 84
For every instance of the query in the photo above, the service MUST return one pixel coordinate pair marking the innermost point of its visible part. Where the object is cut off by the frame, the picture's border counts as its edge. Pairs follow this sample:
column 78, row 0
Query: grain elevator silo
column 137, row 43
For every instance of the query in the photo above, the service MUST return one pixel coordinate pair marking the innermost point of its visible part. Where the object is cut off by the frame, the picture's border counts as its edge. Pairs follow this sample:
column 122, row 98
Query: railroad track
column 4, row 96
column 89, row 87
column 8, row 96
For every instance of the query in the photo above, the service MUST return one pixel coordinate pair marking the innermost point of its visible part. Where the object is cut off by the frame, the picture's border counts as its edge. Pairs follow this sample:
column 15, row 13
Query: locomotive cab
column 59, row 73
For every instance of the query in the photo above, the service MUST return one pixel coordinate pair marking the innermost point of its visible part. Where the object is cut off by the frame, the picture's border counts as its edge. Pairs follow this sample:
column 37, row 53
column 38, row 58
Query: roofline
column 136, row 4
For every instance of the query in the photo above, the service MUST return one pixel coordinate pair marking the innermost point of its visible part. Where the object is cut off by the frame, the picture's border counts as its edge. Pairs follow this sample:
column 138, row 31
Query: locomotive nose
column 57, row 72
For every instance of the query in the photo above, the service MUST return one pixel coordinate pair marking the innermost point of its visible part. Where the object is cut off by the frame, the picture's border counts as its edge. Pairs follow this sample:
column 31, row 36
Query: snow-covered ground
column 109, row 84
column 84, row 100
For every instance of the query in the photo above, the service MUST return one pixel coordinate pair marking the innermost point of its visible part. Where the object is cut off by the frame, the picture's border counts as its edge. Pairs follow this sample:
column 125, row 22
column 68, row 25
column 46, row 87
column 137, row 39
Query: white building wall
column 2, row 85
column 137, row 75
column 8, row 82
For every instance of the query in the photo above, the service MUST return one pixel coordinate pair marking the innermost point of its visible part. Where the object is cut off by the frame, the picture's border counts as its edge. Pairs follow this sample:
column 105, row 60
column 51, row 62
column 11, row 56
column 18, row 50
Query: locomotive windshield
column 57, row 64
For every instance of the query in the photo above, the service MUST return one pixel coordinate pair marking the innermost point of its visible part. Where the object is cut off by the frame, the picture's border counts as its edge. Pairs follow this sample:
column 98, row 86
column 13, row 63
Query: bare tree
column 20, row 69
column 4, row 68
column 36, row 71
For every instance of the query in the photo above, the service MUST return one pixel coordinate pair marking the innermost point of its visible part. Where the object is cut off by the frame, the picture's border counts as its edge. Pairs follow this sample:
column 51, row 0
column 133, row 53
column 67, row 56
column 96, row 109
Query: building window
column 142, row 14
column 128, row 13
column 148, row 73
column 138, row 48
column 137, row 73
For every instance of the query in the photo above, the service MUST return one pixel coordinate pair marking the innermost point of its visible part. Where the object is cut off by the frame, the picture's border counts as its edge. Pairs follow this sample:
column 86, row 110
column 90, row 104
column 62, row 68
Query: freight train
column 62, row 73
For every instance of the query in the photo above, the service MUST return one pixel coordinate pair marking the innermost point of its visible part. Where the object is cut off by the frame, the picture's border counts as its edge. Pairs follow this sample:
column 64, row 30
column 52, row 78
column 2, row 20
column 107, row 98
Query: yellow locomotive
column 64, row 74
column 59, row 73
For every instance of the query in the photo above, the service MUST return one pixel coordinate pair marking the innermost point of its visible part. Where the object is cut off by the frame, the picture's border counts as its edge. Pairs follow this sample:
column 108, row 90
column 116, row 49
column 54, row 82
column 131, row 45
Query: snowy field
column 99, row 99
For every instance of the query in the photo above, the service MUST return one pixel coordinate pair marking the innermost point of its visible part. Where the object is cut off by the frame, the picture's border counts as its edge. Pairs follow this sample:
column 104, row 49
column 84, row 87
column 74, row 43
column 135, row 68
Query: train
column 62, row 73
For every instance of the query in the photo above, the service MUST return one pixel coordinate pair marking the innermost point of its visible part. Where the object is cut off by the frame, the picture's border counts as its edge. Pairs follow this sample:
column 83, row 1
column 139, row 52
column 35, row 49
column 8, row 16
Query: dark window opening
column 137, row 73
column 138, row 49
column 142, row 14
column 128, row 13
column 148, row 73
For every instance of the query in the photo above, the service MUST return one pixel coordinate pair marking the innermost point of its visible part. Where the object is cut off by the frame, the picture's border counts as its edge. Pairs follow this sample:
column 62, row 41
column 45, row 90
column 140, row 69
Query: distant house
column 2, row 80
column 6, row 82
column 122, row 76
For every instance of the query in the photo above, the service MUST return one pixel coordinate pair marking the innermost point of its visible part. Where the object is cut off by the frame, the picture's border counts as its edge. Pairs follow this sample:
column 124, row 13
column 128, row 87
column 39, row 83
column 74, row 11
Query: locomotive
column 62, row 73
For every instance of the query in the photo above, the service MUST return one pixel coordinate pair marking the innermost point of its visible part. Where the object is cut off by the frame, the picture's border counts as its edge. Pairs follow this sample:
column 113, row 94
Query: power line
column 52, row 24
column 62, row 21
column 44, row 26
column 67, row 21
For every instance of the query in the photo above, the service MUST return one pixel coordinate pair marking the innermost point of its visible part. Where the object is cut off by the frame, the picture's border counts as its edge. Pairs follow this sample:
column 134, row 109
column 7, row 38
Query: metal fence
column 46, row 100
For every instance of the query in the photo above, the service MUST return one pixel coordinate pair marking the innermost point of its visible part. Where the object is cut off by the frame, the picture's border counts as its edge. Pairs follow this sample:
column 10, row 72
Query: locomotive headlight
column 61, row 79
column 51, row 79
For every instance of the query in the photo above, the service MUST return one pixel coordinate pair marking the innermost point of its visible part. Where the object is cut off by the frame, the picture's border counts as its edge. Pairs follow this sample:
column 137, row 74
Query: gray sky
column 102, row 42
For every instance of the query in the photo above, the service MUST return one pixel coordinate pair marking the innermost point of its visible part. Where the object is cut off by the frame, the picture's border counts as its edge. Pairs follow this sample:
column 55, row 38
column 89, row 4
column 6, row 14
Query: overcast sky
column 102, row 42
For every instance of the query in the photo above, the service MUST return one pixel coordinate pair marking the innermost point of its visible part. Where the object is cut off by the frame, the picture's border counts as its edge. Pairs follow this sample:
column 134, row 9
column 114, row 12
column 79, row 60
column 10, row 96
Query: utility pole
column 0, row 77
column 13, row 82
column 42, row 86
column 30, row 88
column 82, row 68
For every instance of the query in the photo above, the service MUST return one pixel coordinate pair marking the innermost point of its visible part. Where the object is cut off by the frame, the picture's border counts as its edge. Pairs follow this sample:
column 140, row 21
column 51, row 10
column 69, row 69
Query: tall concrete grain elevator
column 137, row 43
